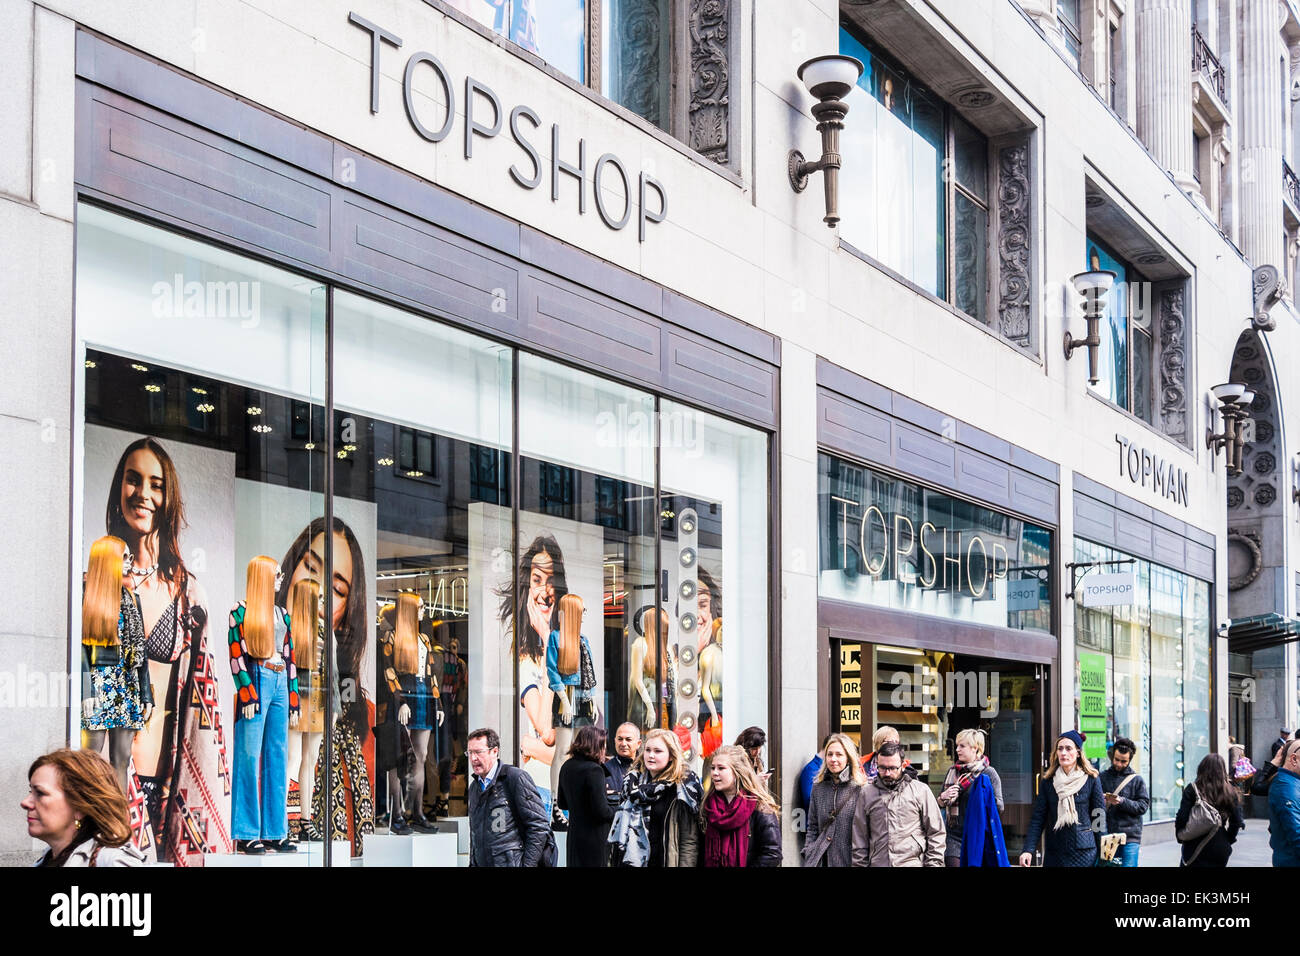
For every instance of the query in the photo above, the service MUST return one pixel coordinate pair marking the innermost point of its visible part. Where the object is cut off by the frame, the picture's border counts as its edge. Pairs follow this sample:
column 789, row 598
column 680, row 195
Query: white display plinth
column 415, row 849
column 461, row 826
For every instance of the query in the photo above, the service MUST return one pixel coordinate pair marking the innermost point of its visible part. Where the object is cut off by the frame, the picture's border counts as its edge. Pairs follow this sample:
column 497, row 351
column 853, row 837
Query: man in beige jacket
column 898, row 821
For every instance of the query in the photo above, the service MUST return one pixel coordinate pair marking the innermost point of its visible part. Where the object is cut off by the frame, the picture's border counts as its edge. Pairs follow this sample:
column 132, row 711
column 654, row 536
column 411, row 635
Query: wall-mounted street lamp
column 1234, row 399
column 1093, row 286
column 829, row 78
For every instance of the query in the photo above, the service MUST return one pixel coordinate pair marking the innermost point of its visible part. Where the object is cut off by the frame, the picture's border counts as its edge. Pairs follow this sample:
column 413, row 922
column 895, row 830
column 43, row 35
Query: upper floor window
column 915, row 184
column 1067, row 12
column 1126, row 345
column 665, row 60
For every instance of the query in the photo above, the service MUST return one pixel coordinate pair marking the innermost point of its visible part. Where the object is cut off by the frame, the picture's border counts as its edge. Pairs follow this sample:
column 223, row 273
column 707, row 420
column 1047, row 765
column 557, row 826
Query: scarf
column 726, row 829
column 1067, row 785
column 629, row 833
column 963, row 775
column 348, row 777
column 588, row 679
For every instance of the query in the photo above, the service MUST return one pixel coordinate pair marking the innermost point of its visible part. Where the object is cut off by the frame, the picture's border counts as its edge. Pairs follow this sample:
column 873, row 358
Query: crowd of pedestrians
column 644, row 806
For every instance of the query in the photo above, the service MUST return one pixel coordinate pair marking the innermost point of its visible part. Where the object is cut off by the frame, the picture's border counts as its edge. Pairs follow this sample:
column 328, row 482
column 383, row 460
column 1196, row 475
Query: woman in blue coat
column 1069, row 800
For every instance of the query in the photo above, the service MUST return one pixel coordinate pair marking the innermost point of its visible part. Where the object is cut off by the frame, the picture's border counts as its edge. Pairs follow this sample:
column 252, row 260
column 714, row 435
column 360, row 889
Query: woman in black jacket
column 740, row 821
column 1212, row 786
column 581, row 791
column 1069, row 800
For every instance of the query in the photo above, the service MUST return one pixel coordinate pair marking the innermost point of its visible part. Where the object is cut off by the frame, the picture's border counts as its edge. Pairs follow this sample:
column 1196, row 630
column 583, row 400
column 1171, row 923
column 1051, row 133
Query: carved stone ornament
column 1246, row 545
column 1173, row 371
column 1269, row 288
column 710, row 39
column 1014, row 279
column 1265, row 495
column 1236, row 497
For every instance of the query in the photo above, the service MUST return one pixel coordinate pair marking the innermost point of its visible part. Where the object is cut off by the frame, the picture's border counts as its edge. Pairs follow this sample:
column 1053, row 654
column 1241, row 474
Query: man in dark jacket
column 1279, row 743
column 1284, row 809
column 1127, row 798
column 627, row 741
column 508, row 825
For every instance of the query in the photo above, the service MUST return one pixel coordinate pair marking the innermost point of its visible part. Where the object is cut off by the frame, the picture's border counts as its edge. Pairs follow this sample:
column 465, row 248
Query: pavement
column 1251, row 849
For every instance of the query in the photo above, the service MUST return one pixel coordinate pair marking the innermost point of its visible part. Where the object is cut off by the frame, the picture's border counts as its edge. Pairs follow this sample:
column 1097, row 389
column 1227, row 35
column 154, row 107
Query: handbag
column 1204, row 821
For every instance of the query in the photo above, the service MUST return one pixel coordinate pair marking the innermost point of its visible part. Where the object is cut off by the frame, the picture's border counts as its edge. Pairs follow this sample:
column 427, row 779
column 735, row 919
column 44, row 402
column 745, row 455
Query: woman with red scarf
column 740, row 820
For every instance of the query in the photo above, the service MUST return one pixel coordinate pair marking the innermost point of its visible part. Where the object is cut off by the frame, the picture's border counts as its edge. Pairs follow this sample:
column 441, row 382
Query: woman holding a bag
column 832, row 805
column 1210, row 815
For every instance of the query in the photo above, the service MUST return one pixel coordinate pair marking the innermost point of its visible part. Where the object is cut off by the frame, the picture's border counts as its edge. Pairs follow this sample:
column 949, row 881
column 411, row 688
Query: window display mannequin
column 116, row 693
column 266, row 683
column 711, row 691
column 641, row 674
column 411, row 681
column 308, row 630
column 571, row 676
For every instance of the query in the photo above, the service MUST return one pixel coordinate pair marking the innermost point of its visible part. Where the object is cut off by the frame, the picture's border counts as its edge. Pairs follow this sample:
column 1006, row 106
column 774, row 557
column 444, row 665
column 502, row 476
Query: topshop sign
column 485, row 118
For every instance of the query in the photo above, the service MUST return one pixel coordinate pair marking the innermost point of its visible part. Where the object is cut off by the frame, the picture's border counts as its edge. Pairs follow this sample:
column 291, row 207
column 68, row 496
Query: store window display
column 643, row 511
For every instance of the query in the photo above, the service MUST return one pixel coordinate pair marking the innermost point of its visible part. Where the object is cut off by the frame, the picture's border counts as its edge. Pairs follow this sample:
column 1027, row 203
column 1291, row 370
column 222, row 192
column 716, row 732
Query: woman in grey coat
column 835, row 796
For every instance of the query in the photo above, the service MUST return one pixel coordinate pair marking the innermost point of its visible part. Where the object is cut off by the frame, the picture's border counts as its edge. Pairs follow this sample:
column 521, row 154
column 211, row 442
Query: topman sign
column 604, row 177
column 1149, row 470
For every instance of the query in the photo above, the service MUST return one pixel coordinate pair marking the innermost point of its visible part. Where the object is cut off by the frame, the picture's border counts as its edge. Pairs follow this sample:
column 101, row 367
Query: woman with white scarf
column 1069, row 800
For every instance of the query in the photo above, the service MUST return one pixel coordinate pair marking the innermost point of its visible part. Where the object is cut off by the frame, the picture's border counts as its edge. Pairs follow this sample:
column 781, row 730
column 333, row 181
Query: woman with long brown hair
column 177, row 759
column 1069, row 799
column 1208, row 842
column 75, row 806
column 740, row 820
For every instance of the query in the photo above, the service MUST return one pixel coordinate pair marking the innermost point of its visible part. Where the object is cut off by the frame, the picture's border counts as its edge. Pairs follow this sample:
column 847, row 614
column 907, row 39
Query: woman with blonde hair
column 972, row 800
column 834, row 800
column 740, row 821
column 1069, row 799
column 75, row 806
column 116, row 693
column 655, row 824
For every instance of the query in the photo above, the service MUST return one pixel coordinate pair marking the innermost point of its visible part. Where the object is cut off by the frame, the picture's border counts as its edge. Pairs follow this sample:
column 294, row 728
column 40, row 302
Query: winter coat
column 1126, row 817
column 830, row 842
column 954, row 815
column 1219, row 847
column 506, row 832
column 1068, row 846
column 898, row 827
column 581, row 791
column 125, row 855
column 1284, row 819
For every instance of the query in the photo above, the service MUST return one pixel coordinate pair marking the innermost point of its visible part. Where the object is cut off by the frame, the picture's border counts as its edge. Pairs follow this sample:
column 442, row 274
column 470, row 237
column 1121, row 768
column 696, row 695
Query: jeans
column 261, row 756
column 1130, row 853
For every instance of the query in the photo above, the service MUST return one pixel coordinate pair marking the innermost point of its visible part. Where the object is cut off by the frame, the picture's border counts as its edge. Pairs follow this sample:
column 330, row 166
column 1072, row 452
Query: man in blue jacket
column 1284, row 809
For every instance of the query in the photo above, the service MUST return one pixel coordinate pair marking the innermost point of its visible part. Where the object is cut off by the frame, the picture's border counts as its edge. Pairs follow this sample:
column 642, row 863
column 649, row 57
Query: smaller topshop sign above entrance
column 647, row 199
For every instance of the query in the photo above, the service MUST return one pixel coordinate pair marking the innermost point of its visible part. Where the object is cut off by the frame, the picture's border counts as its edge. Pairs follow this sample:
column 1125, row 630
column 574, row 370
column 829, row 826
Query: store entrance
column 929, row 697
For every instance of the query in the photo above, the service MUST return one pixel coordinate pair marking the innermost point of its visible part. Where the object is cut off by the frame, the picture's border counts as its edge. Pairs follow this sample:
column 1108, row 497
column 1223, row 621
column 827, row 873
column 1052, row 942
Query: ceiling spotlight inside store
column 262, row 429
column 340, row 454
column 829, row 79
column 310, row 446
column 140, row 368
column 205, row 408
column 153, row 388
column 90, row 363
column 254, row 409
column 349, row 447
column 415, row 474
column 687, row 557
column 199, row 391
column 386, row 462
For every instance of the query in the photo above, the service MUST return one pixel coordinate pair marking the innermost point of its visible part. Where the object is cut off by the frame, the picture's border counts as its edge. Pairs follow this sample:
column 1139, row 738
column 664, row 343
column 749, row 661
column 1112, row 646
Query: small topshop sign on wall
column 646, row 198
